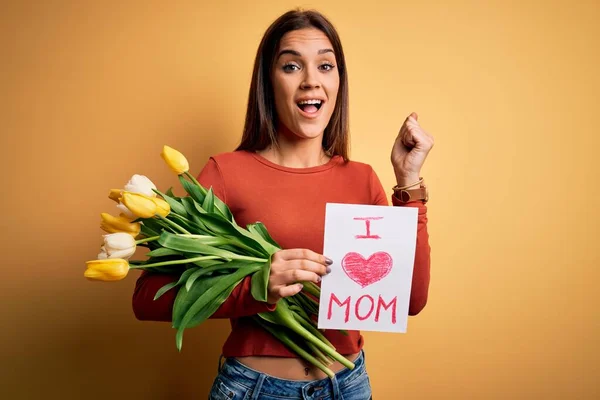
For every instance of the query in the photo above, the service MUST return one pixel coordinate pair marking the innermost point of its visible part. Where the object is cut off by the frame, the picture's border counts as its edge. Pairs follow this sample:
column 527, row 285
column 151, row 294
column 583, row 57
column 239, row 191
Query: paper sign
column 373, row 253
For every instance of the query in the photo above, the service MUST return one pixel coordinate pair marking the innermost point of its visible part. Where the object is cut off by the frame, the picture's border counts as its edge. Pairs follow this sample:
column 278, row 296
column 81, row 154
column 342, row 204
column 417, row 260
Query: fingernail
column 328, row 270
column 301, row 286
column 328, row 261
column 318, row 279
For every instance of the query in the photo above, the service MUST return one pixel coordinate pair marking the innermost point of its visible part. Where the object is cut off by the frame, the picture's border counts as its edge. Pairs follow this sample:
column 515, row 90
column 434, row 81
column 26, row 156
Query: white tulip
column 103, row 255
column 126, row 211
column 118, row 245
column 140, row 184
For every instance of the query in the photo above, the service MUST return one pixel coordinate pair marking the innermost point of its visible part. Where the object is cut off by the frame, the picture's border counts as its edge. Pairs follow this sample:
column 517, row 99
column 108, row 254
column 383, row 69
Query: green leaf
column 224, row 210
column 191, row 245
column 148, row 231
column 260, row 282
column 209, row 201
column 196, row 192
column 266, row 246
column 227, row 267
column 191, row 225
column 223, row 267
column 192, row 207
column 175, row 205
column 171, row 194
column 218, row 225
column 162, row 252
column 260, row 229
column 171, row 285
column 204, row 298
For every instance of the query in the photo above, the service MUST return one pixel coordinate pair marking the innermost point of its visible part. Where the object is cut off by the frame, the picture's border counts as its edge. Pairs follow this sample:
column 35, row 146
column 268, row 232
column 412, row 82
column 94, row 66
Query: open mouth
column 310, row 106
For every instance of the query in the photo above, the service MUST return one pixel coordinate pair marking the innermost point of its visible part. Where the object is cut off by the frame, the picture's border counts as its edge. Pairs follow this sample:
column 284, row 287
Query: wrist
column 404, row 180
column 410, row 188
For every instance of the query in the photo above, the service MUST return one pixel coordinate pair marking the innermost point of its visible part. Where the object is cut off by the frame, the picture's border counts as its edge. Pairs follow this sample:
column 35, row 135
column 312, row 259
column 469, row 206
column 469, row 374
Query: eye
column 327, row 66
column 290, row 67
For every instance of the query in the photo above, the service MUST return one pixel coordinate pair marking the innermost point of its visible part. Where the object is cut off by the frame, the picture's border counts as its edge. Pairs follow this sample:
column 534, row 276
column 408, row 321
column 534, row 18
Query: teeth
column 310, row 102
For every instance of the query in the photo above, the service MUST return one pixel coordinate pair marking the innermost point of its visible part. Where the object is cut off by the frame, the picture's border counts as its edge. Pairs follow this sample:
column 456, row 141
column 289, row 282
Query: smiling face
column 305, row 82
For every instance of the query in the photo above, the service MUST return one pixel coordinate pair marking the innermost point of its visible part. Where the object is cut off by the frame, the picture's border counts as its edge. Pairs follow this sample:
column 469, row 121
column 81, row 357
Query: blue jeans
column 238, row 382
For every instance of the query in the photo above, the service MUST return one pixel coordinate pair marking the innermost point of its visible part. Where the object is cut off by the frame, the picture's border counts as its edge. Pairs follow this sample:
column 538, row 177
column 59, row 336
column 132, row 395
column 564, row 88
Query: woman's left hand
column 410, row 150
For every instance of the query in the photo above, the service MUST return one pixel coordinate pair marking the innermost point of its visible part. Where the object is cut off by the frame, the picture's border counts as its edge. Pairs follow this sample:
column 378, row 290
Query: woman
column 292, row 160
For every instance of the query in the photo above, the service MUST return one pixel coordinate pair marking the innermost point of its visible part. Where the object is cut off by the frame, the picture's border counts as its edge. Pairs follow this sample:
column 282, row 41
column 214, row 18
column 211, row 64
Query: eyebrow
column 296, row 53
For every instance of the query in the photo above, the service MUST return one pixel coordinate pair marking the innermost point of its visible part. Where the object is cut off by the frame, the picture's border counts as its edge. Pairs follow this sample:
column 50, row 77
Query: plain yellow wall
column 510, row 90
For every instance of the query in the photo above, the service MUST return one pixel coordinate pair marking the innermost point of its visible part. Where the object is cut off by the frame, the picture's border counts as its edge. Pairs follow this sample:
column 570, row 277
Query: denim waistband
column 271, row 385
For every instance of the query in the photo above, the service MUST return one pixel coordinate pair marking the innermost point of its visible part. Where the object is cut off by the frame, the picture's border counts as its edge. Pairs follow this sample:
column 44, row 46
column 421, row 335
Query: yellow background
column 92, row 90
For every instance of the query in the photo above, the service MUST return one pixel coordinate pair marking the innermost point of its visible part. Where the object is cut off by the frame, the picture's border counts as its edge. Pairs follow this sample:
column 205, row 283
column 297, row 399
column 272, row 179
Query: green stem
column 307, row 335
column 306, row 303
column 303, row 353
column 173, row 224
column 311, row 288
column 150, row 239
column 299, row 311
column 174, row 262
column 319, row 354
column 260, row 260
column 315, row 331
column 191, row 177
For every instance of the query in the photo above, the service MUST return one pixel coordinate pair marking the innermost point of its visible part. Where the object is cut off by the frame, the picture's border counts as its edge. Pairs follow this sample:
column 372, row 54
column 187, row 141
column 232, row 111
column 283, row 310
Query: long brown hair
column 261, row 117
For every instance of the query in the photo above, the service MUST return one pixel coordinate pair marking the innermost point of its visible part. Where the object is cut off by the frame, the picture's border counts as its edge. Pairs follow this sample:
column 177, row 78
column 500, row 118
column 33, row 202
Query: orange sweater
column 291, row 204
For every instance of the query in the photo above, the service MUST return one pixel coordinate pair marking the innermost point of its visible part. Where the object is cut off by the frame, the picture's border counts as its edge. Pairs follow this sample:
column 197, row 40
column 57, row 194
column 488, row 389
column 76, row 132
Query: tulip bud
column 140, row 184
column 175, row 160
column 112, row 224
column 119, row 245
column 141, row 206
column 106, row 270
column 162, row 207
column 115, row 194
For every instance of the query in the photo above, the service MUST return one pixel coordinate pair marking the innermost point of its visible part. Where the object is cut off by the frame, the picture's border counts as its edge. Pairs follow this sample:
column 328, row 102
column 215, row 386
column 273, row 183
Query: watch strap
column 405, row 195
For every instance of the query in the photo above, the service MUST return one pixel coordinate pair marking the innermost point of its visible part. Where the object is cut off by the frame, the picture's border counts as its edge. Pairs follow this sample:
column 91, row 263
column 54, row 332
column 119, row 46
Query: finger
column 412, row 123
column 407, row 138
column 290, row 290
column 304, row 254
column 306, row 265
column 299, row 275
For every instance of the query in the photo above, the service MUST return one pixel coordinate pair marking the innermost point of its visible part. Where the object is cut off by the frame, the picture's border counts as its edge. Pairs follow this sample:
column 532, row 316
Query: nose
column 311, row 79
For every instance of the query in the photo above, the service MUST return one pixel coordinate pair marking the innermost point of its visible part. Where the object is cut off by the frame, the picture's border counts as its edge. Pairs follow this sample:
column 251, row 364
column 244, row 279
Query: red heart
column 366, row 272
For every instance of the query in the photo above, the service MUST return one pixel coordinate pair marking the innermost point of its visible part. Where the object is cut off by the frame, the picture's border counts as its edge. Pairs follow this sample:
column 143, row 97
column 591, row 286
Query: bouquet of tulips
column 197, row 237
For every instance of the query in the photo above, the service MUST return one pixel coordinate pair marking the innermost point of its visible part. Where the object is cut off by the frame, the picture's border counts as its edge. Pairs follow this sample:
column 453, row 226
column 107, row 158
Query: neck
column 296, row 153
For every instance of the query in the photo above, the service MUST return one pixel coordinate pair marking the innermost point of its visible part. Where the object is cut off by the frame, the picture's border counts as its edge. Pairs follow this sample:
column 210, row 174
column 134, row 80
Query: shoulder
column 231, row 158
column 231, row 161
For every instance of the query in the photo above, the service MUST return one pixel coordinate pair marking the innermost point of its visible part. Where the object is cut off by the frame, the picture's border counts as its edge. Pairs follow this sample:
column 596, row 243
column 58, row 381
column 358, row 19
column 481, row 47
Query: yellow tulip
column 141, row 206
column 115, row 194
column 175, row 160
column 162, row 207
column 112, row 224
column 108, row 270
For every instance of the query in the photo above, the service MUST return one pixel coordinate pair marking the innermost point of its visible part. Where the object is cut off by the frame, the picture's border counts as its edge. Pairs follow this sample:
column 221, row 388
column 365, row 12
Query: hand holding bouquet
column 197, row 237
